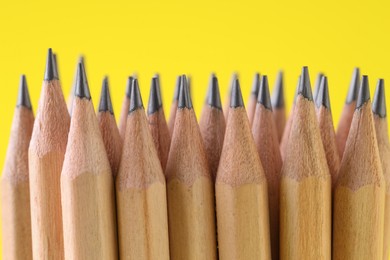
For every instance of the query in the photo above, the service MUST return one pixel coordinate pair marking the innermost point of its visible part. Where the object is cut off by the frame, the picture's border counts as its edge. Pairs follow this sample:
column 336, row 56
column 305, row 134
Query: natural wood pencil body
column 172, row 116
column 123, row 116
column 241, row 194
column 286, row 133
column 46, row 156
column 266, row 140
column 279, row 115
column 15, row 191
column 251, row 107
column 87, row 190
column 305, row 191
column 160, row 134
column 190, row 191
column 212, row 127
column 360, row 194
column 344, row 125
column 384, row 152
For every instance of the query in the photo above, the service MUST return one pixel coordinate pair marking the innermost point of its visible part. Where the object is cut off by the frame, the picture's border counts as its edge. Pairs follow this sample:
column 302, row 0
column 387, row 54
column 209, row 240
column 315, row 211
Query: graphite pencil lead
column 353, row 90
column 256, row 85
column 236, row 96
column 379, row 101
column 304, row 84
column 156, row 78
column 213, row 95
column 278, row 93
column 23, row 95
column 184, row 94
column 364, row 92
column 264, row 97
column 105, row 104
column 129, row 85
column 154, row 98
column 56, row 64
column 135, row 97
column 82, row 88
column 51, row 70
column 317, row 85
column 177, row 89
column 323, row 94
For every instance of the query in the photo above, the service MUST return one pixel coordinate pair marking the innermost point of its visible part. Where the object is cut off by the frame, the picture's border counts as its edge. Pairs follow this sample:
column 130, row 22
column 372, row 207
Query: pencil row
column 244, row 183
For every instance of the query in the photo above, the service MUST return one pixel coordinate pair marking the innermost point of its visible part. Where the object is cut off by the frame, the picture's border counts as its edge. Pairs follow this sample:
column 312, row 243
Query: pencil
column 266, row 140
column 189, row 187
column 380, row 121
column 125, row 108
column 157, row 124
column 278, row 106
column 359, row 199
column 108, row 128
column 317, row 85
column 172, row 114
column 56, row 64
column 46, row 156
column 253, row 97
column 212, row 125
column 305, row 190
column 347, row 113
column 328, row 136
column 227, row 100
column 141, row 190
column 87, row 188
column 71, row 94
column 286, row 132
column 15, row 191
column 241, row 190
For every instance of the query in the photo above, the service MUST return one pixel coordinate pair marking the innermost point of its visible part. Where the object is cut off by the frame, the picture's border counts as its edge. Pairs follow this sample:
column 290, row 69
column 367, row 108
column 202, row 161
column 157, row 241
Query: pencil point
column 353, row 90
column 184, row 100
column 379, row 101
column 51, row 70
column 304, row 84
column 56, row 64
column 323, row 94
column 236, row 96
column 364, row 92
column 154, row 98
column 129, row 85
column 135, row 98
column 213, row 95
column 278, row 93
column 264, row 97
column 156, row 78
column 82, row 88
column 105, row 104
column 256, row 85
column 317, row 85
column 177, row 89
column 23, row 95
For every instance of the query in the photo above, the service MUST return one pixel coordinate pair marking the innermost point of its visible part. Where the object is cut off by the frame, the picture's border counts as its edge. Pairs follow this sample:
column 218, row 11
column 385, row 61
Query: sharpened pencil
column 190, row 188
column 141, row 190
column 227, row 100
column 157, row 124
column 305, row 190
column 87, row 184
column 15, row 191
column 278, row 106
column 125, row 107
column 253, row 97
column 241, row 190
column 172, row 114
column 267, row 144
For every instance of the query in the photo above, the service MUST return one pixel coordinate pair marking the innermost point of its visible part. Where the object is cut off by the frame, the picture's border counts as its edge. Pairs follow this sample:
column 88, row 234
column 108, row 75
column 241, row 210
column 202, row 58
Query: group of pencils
column 244, row 183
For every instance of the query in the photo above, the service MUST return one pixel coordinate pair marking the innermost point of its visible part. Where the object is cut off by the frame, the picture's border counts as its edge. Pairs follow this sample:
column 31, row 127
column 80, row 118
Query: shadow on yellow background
column 199, row 37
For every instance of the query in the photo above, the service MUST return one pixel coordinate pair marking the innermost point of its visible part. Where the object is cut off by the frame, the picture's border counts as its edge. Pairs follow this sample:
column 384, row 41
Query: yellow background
column 195, row 37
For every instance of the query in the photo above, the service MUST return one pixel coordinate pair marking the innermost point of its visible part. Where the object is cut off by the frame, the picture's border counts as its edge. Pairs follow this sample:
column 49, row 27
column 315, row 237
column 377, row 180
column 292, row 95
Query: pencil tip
column 56, row 64
column 135, row 97
column 353, row 90
column 317, row 85
column 213, row 95
column 256, row 85
column 379, row 100
column 278, row 93
column 105, row 104
column 184, row 100
column 364, row 92
column 129, row 85
column 177, row 89
column 23, row 95
column 82, row 88
column 154, row 97
column 304, row 84
column 51, row 70
column 264, row 96
column 323, row 94
column 236, row 96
